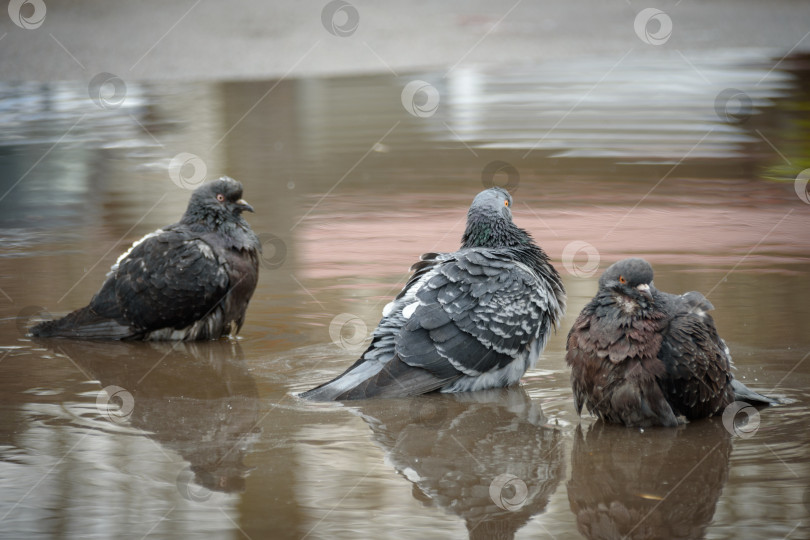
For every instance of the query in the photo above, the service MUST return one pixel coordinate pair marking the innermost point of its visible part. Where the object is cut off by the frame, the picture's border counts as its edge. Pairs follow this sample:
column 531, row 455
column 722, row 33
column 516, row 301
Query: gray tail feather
column 83, row 323
column 375, row 380
column 743, row 393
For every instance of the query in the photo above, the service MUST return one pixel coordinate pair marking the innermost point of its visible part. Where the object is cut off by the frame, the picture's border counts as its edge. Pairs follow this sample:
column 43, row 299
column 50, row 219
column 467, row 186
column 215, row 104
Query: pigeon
column 470, row 320
column 188, row 281
column 642, row 357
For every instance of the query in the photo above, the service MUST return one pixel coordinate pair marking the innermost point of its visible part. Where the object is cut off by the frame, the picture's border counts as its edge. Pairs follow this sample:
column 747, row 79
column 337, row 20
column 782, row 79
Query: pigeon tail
column 743, row 393
column 371, row 379
column 83, row 323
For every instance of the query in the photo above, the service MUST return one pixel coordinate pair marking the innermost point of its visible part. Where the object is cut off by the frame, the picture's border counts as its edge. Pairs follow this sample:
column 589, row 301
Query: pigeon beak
column 243, row 205
column 644, row 289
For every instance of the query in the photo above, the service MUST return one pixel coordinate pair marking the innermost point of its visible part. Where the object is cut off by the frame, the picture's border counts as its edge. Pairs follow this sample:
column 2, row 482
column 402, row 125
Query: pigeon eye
column 622, row 280
column 220, row 197
column 506, row 203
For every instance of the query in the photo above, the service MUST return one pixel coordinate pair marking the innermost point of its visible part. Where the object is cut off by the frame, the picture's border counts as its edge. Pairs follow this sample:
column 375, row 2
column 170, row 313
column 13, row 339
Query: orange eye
column 220, row 197
column 506, row 203
column 622, row 280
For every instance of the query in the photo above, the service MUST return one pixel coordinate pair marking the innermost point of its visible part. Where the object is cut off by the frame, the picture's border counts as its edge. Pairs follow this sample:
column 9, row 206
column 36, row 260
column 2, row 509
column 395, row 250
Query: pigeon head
column 495, row 200
column 218, row 201
column 489, row 221
column 632, row 278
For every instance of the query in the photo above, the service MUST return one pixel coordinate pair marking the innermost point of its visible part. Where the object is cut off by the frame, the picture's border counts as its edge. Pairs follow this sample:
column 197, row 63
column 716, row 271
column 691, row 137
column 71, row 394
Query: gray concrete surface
column 207, row 39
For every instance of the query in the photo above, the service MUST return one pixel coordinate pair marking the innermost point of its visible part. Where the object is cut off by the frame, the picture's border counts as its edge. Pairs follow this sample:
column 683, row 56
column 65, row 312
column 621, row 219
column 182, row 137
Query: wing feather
column 478, row 312
column 698, row 368
column 169, row 280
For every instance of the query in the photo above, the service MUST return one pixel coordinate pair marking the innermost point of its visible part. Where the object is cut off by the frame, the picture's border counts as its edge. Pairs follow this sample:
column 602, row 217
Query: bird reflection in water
column 655, row 483
column 489, row 457
column 194, row 398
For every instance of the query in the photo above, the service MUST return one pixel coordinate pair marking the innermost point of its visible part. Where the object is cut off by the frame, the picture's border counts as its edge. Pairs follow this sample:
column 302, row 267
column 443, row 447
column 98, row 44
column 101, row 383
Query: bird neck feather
column 493, row 232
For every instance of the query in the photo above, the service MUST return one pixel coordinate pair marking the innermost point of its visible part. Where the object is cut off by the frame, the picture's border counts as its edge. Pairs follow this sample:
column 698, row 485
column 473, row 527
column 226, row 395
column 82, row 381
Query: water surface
column 207, row 439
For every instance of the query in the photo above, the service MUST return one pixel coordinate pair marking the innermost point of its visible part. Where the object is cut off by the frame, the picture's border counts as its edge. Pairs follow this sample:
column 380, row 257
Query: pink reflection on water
column 372, row 243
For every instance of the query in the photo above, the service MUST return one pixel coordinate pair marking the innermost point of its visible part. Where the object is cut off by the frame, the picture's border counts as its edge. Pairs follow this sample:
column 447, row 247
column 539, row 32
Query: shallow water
column 208, row 440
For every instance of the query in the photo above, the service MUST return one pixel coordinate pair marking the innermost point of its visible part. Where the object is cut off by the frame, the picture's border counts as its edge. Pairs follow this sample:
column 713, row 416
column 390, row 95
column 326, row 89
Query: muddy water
column 207, row 440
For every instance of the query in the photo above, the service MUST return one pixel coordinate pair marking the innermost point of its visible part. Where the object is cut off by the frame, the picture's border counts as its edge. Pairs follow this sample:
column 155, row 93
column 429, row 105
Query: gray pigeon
column 642, row 357
column 188, row 281
column 470, row 320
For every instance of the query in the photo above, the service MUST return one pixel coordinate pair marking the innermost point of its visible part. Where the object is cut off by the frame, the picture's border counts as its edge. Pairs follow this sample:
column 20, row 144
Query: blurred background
column 675, row 131
column 193, row 40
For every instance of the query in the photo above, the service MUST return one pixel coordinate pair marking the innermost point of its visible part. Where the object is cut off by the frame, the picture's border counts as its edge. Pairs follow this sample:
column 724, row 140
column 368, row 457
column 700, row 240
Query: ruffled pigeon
column 188, row 281
column 642, row 357
column 470, row 320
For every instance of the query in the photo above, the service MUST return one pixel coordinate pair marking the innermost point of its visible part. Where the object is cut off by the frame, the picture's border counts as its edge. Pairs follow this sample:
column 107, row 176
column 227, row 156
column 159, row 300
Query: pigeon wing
column 169, row 280
column 697, row 381
column 480, row 311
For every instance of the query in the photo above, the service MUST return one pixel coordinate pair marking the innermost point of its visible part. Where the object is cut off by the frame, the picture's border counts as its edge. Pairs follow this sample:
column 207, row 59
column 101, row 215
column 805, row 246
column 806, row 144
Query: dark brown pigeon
column 642, row 357
column 474, row 319
column 188, row 281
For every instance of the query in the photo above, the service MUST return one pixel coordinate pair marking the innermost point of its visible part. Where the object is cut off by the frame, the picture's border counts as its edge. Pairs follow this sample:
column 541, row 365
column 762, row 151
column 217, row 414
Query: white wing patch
column 124, row 255
column 408, row 310
column 205, row 249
